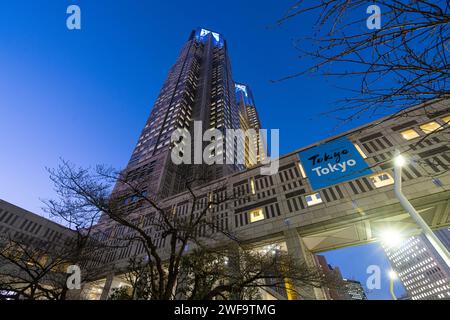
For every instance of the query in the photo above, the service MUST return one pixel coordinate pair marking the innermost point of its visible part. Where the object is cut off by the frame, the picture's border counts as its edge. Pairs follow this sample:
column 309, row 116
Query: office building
column 249, row 119
column 341, row 289
column 420, row 268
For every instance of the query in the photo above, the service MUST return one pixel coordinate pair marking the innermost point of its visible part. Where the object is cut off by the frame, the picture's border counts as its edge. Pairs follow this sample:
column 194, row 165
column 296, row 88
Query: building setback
column 250, row 121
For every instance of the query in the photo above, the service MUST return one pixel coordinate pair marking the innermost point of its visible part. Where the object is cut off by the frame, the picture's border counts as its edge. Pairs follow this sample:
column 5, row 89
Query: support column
column 297, row 249
column 107, row 287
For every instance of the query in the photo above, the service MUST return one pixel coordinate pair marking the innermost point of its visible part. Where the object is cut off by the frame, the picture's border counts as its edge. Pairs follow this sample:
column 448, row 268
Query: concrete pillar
column 297, row 249
column 107, row 286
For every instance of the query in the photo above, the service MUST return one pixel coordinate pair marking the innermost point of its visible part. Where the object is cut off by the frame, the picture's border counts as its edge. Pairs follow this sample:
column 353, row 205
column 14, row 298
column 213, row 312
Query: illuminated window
column 256, row 215
column 252, row 185
column 302, row 171
column 313, row 199
column 446, row 119
column 409, row 134
column 430, row 127
column 382, row 179
column 360, row 151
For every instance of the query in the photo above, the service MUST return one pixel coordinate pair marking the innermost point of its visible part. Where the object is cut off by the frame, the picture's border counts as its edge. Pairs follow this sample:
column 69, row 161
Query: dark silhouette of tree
column 404, row 63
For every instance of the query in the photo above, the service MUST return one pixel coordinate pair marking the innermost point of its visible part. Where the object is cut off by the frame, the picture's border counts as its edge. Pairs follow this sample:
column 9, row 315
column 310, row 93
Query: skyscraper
column 345, row 289
column 420, row 268
column 199, row 89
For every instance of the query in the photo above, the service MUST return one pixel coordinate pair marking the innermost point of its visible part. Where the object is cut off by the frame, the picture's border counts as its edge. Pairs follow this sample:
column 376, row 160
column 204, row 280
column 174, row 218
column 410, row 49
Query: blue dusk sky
column 84, row 95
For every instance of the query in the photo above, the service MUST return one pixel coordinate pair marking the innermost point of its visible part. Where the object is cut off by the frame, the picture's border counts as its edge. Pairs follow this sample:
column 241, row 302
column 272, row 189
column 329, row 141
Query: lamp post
column 392, row 278
column 391, row 238
column 399, row 162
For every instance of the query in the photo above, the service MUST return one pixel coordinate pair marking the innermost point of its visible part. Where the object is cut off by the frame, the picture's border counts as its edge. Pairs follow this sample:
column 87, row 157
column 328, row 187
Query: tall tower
column 199, row 87
column 249, row 119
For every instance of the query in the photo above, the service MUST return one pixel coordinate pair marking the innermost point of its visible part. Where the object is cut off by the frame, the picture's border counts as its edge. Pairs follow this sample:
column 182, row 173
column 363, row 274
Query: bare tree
column 35, row 268
column 38, row 269
column 32, row 270
column 138, row 277
column 404, row 63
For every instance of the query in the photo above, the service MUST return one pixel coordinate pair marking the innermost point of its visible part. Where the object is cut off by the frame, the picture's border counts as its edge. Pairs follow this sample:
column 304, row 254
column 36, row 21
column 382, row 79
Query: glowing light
column 392, row 274
column 399, row 161
column 204, row 33
column 391, row 238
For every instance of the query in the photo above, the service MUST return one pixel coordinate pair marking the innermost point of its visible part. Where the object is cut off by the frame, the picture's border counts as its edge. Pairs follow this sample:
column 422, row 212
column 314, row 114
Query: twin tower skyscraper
column 199, row 89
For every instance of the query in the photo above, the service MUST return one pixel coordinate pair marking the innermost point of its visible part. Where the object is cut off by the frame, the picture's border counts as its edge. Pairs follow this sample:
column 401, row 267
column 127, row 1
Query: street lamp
column 392, row 277
column 399, row 162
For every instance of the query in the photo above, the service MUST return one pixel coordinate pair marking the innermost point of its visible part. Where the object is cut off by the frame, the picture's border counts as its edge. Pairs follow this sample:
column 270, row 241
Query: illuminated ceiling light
column 252, row 185
column 391, row 238
column 409, row 134
column 399, row 161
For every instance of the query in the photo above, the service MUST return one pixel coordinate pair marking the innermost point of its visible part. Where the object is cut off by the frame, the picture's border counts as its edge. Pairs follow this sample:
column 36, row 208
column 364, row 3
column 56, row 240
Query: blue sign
column 332, row 163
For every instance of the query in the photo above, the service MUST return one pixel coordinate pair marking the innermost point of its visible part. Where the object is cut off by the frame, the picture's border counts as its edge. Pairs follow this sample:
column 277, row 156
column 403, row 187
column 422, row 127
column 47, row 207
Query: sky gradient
column 84, row 95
